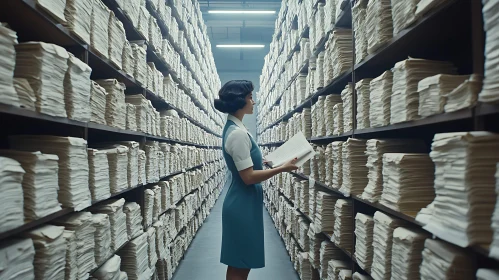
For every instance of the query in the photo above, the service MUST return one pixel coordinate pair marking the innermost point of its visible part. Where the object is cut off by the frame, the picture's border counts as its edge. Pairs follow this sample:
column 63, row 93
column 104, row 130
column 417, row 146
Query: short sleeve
column 238, row 146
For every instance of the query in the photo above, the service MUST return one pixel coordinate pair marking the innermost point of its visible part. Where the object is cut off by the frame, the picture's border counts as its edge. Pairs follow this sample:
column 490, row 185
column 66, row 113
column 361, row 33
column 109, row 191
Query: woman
column 242, row 214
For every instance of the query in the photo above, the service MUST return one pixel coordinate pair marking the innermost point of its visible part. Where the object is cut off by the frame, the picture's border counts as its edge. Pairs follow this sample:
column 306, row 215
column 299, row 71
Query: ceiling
column 237, row 29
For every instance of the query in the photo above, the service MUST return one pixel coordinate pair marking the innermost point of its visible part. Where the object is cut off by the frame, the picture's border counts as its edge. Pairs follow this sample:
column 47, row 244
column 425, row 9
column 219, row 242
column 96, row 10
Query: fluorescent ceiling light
column 240, row 46
column 239, row 12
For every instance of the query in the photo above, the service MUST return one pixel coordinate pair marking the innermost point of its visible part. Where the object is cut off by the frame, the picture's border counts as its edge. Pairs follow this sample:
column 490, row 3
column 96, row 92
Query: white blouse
column 238, row 145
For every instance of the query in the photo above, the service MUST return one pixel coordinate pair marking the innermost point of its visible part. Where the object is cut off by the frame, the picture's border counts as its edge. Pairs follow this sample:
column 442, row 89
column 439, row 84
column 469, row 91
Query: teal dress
column 242, row 214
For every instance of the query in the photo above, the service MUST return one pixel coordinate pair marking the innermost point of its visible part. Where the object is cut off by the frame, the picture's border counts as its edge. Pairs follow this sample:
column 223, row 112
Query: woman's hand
column 289, row 166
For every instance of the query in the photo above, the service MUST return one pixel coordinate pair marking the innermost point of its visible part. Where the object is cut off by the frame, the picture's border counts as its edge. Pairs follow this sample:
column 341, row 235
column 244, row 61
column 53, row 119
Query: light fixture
column 241, row 46
column 239, row 12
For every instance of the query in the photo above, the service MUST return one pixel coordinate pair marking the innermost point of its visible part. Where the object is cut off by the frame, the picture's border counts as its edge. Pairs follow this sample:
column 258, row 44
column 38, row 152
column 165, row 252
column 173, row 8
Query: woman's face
column 248, row 109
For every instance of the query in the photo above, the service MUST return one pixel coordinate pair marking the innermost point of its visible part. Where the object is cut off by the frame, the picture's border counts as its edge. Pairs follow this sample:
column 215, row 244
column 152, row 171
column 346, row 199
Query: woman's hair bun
column 232, row 96
column 221, row 105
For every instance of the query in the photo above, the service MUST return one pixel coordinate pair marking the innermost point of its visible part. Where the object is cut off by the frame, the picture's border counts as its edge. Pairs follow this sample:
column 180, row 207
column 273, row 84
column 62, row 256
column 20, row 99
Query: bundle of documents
column 155, row 36
column 433, row 92
column 128, row 60
column 329, row 15
column 364, row 227
column 55, row 8
column 133, row 163
column 403, row 14
column 142, row 167
column 494, row 247
column 359, row 17
column 319, row 73
column 329, row 168
column 98, row 103
column 358, row 276
column 305, row 268
column 362, row 88
column 73, row 165
column 44, row 66
column 321, row 162
column 115, row 102
column 343, row 225
column 25, row 93
column 324, row 216
column 117, row 157
column 82, row 224
column 19, row 264
column 151, row 148
column 134, row 257
column 321, row 128
column 407, row 252
column 160, row 239
column 114, row 209
column 485, row 274
column 306, row 122
column 329, row 252
column 143, row 27
column 337, row 154
column 131, row 120
column 380, row 99
column 110, row 270
column 304, row 196
column 71, row 267
column 346, row 97
column 379, row 24
column 355, row 171
column 331, row 101
column 99, row 31
column 296, row 147
column 406, row 76
column 39, row 183
column 133, row 219
column 77, row 88
column 335, row 266
column 148, row 207
column 341, row 51
column 117, row 39
column 140, row 63
column 312, row 194
column 141, row 108
column 384, row 226
column 50, row 251
column 338, row 119
column 151, row 251
column 102, row 237
column 453, row 262
column 458, row 155
column 157, row 203
column 8, row 40
column 316, row 238
column 489, row 92
column 315, row 119
column 79, row 18
column 465, row 95
column 98, row 174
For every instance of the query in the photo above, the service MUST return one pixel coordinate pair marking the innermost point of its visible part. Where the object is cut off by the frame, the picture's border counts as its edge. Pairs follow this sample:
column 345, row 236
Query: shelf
column 485, row 109
column 328, row 139
column 25, row 113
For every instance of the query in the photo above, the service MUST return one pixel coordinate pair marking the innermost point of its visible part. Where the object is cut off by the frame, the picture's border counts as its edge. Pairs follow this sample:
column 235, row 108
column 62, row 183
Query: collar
column 237, row 122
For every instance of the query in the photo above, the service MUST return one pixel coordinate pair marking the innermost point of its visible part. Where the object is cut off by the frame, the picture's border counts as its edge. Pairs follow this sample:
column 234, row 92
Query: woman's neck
column 239, row 115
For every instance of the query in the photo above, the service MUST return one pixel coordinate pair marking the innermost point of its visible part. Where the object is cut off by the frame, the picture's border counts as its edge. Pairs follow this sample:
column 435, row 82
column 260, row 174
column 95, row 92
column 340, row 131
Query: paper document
column 296, row 147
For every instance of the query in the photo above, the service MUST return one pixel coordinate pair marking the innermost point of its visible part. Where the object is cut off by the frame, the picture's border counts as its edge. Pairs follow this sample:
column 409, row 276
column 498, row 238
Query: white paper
column 296, row 147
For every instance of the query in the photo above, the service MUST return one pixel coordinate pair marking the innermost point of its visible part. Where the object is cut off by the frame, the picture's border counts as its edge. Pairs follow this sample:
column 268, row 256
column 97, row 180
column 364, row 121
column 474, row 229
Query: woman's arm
column 251, row 176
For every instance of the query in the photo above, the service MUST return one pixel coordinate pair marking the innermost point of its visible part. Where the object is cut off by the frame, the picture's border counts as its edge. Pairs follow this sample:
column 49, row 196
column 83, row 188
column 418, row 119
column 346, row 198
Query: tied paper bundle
column 301, row 86
column 407, row 182
column 343, row 225
column 355, row 171
column 114, row 209
column 151, row 77
column 133, row 219
column 27, row 97
column 143, row 27
column 489, row 93
column 312, row 193
column 148, row 207
column 315, row 119
column 407, row 252
column 82, row 224
column 98, row 175
column 134, row 258
column 337, row 154
column 157, row 203
column 44, row 66
column 335, row 266
column 151, row 149
column 131, row 9
column 433, row 91
column 306, row 122
column 155, row 37
column 364, row 227
column 375, row 149
column 141, row 109
column 303, row 239
column 55, row 8
column 346, row 97
column 133, row 163
column 102, row 237
column 305, row 268
column 329, row 252
column 379, row 25
column 71, row 267
column 303, row 187
column 110, row 270
column 140, row 63
column 160, row 239
column 465, row 95
column 117, row 157
column 117, row 39
column 380, row 99
column 73, row 165
column 362, row 88
column 403, row 14
column 453, row 262
column 324, row 216
column 341, row 51
column 142, row 167
column 329, row 16
column 359, row 16
column 384, row 226
column 331, row 101
column 464, row 156
column 319, row 74
column 8, row 40
column 77, row 88
column 79, row 18
column 39, row 183
column 98, row 97
column 328, row 153
column 494, row 247
column 19, row 263
column 338, row 119
column 99, row 34
column 165, row 148
column 50, row 252
column 128, row 59
column 406, row 76
column 321, row 162
column 115, row 102
column 151, row 251
column 321, row 128
column 131, row 117
column 316, row 239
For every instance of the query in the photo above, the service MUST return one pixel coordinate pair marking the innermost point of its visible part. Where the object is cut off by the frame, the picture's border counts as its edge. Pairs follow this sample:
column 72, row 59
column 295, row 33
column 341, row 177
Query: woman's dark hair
column 232, row 96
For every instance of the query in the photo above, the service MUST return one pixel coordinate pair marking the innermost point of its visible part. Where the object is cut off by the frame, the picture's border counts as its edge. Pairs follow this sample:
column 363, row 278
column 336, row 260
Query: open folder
column 296, row 147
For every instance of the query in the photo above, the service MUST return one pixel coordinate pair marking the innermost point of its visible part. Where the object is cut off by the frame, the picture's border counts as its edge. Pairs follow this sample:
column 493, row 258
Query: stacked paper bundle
column 453, row 262
column 494, row 247
column 319, row 73
column 380, row 99
column 134, row 257
column 328, row 252
column 39, row 183
column 82, row 224
column 142, row 167
column 306, row 122
column 465, row 95
column 342, row 236
column 155, row 37
column 363, row 102
column 489, row 92
column 152, row 171
column 346, row 97
column 302, row 237
column 8, row 40
column 316, row 238
column 345, row 274
column 27, row 97
column 407, row 252
column 341, row 51
column 19, row 264
column 133, row 219
column 115, row 102
column 71, row 267
column 485, row 274
column 98, row 174
column 128, row 59
column 337, row 154
column 335, row 266
column 407, row 182
column 73, row 165
column 143, row 26
column 305, row 267
column 403, row 14
column 140, row 65
column 406, row 75
column 303, row 188
column 475, row 199
column 321, row 128
column 117, row 156
column 148, row 207
column 141, row 108
column 355, row 171
column 114, row 209
column 77, row 88
column 102, row 237
column 99, row 31
column 312, row 192
column 379, row 24
column 160, row 239
column 358, row 276
column 157, row 203
column 324, row 216
column 331, row 101
column 433, row 91
column 151, row 241
column 110, row 270
column 50, row 251
column 315, row 119
column 133, row 163
column 98, row 103
column 131, row 121
column 329, row 168
column 359, row 16
column 364, row 226
column 44, row 66
column 117, row 39
column 384, row 226
column 338, row 119
column 53, row 7
column 79, row 18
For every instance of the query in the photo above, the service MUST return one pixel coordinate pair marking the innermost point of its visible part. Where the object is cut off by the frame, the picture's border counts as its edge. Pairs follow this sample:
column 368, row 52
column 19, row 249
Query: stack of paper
column 26, row 95
column 464, row 156
column 453, row 262
column 148, row 207
column 73, row 165
column 77, row 88
column 338, row 119
column 359, row 15
column 151, row 240
column 141, row 108
column 406, row 76
column 306, row 122
column 321, row 128
column 44, row 66
column 343, row 225
column 358, row 276
column 134, row 257
column 82, row 224
column 39, row 183
column 384, row 226
column 71, row 267
column 364, row 227
column 79, row 18
column 407, row 252
column 142, row 167
column 345, row 274
column 316, row 238
column 403, row 14
column 152, row 171
column 50, row 252
column 102, row 238
column 489, row 92
column 346, row 97
column 117, row 39
column 133, row 163
column 337, row 154
column 128, row 59
column 362, row 88
column 465, row 95
column 315, row 119
column 115, row 103
column 335, row 266
column 131, row 121
column 98, row 96
column 99, row 34
column 110, row 270
column 114, row 209
column 331, row 101
column 160, row 239
column 133, row 219
column 341, row 51
column 485, row 274
column 161, row 164
column 305, row 267
column 155, row 36
column 302, row 238
column 98, row 174
column 433, row 91
column 324, row 216
column 8, row 39
column 117, row 156
column 329, row 168
column 319, row 73
column 329, row 252
column 355, row 171
column 53, row 7
column 157, row 203
column 379, row 24
column 140, row 63
column 143, row 26
column 19, row 263
column 380, row 99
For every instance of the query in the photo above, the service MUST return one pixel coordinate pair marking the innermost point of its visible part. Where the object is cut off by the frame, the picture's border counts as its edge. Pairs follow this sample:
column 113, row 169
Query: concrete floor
column 202, row 260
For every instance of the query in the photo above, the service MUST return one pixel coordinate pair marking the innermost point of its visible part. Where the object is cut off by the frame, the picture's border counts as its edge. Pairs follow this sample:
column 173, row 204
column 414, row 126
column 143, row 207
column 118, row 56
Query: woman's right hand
column 290, row 165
